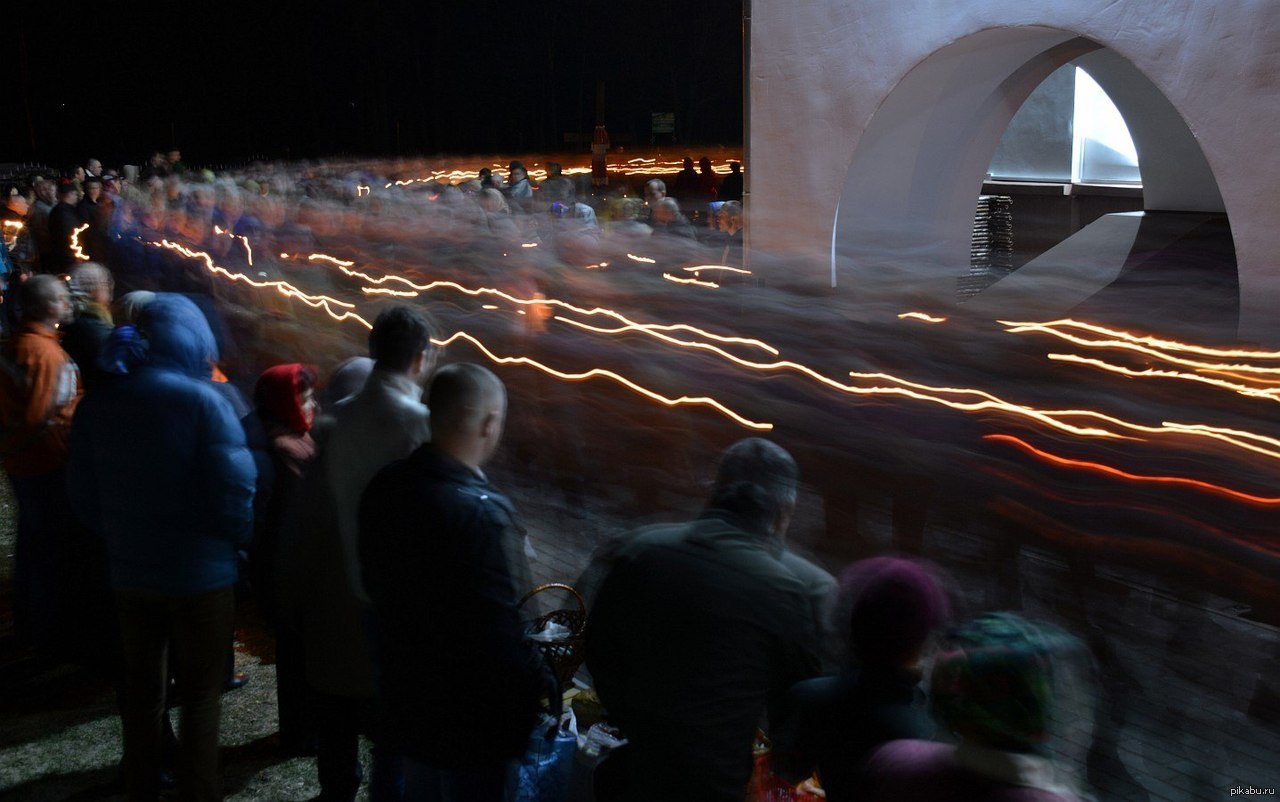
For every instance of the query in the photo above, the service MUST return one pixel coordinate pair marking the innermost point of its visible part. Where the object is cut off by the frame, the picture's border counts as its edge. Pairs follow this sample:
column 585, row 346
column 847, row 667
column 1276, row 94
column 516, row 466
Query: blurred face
column 175, row 156
column 663, row 214
column 62, row 309
column 308, row 404
column 95, row 167
column 45, row 191
column 652, row 194
column 78, row 174
column 93, row 191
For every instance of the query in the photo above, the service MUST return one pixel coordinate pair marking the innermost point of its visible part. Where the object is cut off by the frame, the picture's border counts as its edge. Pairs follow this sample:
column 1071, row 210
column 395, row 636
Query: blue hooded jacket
column 159, row 465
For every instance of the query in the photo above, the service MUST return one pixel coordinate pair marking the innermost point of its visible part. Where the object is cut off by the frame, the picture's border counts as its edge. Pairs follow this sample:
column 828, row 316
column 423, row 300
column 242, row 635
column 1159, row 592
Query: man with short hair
column 441, row 553
column 92, row 289
column 41, row 389
column 38, row 217
column 63, row 221
column 655, row 189
column 322, row 593
column 93, row 167
column 699, row 627
column 667, row 221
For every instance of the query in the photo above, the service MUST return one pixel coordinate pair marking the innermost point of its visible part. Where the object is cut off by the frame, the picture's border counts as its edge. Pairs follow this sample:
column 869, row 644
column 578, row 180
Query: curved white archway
column 902, row 106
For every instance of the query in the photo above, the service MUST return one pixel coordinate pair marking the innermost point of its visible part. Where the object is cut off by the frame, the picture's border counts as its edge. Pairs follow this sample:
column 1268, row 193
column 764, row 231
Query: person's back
column 439, row 546
column 833, row 724
column 160, row 469
column 1004, row 687
column 695, row 631
column 162, row 463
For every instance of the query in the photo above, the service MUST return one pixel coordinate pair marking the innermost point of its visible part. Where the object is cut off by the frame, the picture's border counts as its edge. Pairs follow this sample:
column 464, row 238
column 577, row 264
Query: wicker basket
column 563, row 653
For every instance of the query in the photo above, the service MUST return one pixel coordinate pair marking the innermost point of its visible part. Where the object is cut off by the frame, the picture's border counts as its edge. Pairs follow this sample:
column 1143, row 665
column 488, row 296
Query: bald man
column 440, row 553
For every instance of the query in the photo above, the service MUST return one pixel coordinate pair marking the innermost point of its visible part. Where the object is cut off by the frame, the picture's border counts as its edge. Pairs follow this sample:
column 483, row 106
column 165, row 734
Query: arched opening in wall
column 1090, row 225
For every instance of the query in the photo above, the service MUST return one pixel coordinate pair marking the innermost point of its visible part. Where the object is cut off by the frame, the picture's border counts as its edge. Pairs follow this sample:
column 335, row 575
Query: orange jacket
column 38, row 395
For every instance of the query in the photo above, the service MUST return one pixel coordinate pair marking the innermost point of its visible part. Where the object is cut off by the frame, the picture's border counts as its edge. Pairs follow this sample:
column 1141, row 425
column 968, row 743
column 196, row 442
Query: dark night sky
column 229, row 80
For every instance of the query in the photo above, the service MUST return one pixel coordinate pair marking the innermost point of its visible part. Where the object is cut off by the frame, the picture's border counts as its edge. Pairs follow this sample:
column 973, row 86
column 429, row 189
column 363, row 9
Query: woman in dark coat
column 280, row 434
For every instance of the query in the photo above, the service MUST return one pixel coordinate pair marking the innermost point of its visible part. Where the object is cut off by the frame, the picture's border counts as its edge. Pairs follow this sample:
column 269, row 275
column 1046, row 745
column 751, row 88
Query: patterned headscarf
column 994, row 680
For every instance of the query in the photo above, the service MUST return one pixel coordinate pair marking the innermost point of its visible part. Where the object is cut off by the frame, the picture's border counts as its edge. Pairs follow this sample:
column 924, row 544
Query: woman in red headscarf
column 285, row 406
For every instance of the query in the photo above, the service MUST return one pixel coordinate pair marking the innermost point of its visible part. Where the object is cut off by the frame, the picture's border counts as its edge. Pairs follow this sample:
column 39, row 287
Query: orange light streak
column 644, row 259
column 1098, row 467
column 76, row 250
column 528, row 245
column 921, row 316
column 488, row 306
column 692, row 281
column 608, row 374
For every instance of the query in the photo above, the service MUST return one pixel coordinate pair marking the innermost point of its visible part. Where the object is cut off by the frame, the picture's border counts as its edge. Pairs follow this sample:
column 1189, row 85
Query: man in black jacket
column 698, row 628
column 63, row 221
column 441, row 557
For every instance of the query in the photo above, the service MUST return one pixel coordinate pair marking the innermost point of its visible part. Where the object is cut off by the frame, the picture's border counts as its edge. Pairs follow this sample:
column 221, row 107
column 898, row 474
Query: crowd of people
column 389, row 568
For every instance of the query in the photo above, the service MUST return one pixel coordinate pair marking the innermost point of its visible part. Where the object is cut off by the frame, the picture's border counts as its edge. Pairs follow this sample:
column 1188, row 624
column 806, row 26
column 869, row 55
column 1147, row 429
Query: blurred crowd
column 351, row 508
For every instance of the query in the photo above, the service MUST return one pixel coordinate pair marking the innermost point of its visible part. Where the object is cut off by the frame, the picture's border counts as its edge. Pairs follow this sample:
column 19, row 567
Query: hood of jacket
column 178, row 336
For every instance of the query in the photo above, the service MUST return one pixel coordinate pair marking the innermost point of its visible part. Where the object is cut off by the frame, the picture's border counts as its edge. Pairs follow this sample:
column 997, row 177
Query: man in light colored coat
column 322, row 593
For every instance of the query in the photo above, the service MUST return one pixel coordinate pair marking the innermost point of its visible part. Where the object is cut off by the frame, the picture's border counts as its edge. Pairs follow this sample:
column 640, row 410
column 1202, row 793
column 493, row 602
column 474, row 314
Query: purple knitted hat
column 894, row 604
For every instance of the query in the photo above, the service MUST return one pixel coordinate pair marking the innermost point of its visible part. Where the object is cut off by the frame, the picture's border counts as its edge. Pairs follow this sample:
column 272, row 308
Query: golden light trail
column 488, row 306
column 290, row 291
column 1132, row 344
column 387, row 291
column 284, row 288
column 1098, row 467
column 1060, row 420
column 644, row 259
column 692, row 281
column 248, row 249
column 1156, row 342
column 528, row 245
column 361, row 191
column 608, row 374
column 922, row 317
column 1247, row 441
column 324, row 257
column 699, row 268
column 476, row 292
column 76, row 250
column 1272, row 394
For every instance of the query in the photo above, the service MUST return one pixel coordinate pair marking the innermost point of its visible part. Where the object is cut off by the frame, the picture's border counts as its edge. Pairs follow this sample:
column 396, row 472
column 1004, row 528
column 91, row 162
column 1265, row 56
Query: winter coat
column 159, row 465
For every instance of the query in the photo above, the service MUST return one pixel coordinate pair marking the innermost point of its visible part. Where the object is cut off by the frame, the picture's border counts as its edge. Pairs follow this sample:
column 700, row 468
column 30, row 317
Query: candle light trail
column 1098, row 467
column 76, row 250
column 1132, row 344
column 1272, row 394
column 921, row 316
column 608, row 374
column 692, row 281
